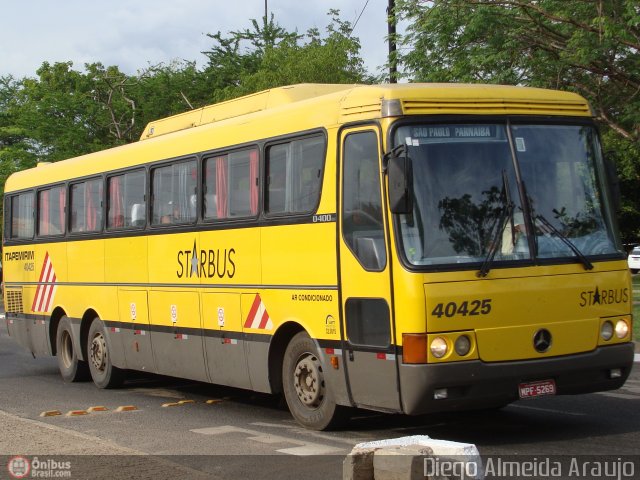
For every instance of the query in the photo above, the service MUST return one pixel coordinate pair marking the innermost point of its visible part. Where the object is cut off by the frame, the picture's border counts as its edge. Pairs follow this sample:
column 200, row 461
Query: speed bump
column 97, row 409
column 126, row 408
column 76, row 413
column 51, row 413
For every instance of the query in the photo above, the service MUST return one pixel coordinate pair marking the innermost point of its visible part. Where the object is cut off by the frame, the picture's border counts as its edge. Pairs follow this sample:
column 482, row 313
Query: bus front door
column 365, row 284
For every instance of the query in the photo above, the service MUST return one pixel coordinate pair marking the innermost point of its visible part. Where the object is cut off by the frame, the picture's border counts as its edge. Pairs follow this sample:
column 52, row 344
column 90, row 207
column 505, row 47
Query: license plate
column 537, row 389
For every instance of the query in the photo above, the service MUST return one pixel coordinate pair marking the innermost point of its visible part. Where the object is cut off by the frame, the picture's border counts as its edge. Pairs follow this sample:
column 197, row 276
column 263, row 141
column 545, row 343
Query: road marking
column 302, row 448
column 158, row 392
column 548, row 410
column 623, row 396
column 310, row 449
column 270, row 425
column 636, row 357
column 324, row 436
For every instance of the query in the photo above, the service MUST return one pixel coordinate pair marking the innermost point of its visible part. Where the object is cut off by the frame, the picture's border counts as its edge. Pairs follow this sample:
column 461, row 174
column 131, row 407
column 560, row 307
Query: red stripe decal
column 264, row 319
column 252, row 312
column 46, row 257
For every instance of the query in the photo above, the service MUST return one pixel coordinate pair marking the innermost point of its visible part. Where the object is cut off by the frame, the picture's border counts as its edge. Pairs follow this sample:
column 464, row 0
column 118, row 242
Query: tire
column 103, row 373
column 305, row 391
column 72, row 369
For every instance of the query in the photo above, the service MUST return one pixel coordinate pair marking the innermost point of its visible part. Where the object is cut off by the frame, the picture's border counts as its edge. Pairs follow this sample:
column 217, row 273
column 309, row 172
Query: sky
column 134, row 34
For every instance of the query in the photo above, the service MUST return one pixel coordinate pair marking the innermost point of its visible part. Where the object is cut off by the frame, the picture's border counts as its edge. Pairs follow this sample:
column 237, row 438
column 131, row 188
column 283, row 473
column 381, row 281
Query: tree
column 587, row 46
column 268, row 56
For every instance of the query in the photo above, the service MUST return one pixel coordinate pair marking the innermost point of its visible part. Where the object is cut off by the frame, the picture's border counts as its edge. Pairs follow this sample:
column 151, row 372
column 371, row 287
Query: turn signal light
column 414, row 348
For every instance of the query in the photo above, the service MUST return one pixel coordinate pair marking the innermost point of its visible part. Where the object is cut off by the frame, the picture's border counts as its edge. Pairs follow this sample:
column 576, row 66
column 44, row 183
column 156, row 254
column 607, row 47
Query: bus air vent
column 14, row 300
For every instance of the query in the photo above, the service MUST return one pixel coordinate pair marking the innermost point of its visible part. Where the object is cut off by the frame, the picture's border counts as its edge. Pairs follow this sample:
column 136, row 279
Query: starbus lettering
column 209, row 263
column 604, row 296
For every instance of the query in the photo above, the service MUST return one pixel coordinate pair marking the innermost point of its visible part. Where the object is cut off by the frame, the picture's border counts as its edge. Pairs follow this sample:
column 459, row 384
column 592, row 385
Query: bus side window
column 174, row 198
column 294, row 175
column 127, row 200
column 51, row 211
column 231, row 185
column 22, row 221
column 86, row 206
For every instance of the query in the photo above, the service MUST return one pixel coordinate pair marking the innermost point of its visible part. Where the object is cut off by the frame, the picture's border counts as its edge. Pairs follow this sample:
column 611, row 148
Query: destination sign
column 454, row 131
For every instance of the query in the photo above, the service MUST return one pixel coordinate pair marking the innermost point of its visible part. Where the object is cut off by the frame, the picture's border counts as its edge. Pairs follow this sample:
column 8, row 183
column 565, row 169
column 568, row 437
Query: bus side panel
column 228, row 265
column 125, row 262
column 134, row 330
column 176, row 335
column 223, row 340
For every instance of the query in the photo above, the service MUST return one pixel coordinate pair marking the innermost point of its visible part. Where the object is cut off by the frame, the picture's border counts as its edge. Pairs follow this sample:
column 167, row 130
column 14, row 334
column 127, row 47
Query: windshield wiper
column 507, row 213
column 584, row 260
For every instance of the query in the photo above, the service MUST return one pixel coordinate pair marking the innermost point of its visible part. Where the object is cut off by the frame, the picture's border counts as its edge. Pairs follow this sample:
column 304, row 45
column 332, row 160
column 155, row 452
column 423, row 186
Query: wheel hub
column 308, row 380
column 98, row 352
column 66, row 349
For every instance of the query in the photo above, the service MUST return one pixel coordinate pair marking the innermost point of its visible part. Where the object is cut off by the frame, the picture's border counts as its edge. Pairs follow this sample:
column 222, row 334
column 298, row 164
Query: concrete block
column 358, row 465
column 400, row 463
column 415, row 457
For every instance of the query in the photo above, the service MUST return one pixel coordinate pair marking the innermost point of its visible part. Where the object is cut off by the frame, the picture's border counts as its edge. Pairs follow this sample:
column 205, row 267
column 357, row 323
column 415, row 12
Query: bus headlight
column 606, row 331
column 439, row 347
column 462, row 345
column 622, row 329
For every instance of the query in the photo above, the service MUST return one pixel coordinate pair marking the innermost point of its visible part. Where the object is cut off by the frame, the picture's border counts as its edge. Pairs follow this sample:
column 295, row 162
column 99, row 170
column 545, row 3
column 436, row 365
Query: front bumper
column 476, row 384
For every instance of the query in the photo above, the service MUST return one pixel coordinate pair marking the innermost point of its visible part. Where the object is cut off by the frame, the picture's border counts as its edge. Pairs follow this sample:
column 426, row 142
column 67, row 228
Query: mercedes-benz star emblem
column 542, row 340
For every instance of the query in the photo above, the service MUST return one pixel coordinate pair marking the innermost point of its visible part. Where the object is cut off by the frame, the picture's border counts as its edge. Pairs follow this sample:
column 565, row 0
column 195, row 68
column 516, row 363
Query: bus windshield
column 469, row 204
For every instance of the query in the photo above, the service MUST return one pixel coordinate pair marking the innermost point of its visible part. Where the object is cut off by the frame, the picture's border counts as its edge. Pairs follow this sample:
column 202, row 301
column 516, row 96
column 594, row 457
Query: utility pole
column 266, row 10
column 391, row 23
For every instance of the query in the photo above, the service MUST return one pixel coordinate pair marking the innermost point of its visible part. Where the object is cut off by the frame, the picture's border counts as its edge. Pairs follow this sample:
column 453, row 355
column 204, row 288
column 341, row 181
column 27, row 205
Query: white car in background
column 634, row 260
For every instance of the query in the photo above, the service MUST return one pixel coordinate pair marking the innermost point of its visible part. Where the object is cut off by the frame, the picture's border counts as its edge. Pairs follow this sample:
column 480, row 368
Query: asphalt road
column 244, row 435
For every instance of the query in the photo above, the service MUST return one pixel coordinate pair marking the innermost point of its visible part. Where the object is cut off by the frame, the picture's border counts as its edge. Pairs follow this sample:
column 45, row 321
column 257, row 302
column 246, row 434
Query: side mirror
column 400, row 175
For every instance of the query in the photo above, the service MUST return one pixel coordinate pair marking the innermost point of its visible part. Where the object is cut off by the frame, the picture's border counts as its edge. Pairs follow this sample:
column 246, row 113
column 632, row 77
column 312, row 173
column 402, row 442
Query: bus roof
column 284, row 110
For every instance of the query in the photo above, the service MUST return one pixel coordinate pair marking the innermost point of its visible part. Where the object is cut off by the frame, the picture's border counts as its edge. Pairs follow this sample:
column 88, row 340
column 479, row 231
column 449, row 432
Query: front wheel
column 104, row 374
column 304, row 386
column 72, row 369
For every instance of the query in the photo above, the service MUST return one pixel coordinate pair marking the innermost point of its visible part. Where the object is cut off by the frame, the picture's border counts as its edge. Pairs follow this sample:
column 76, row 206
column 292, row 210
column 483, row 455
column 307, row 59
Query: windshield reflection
column 468, row 204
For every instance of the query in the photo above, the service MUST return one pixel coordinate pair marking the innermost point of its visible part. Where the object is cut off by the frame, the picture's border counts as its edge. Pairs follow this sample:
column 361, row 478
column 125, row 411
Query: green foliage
column 589, row 47
column 268, row 56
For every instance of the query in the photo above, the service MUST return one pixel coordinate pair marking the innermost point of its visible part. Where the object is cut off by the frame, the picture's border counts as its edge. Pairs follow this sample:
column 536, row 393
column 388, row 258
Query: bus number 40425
column 466, row 308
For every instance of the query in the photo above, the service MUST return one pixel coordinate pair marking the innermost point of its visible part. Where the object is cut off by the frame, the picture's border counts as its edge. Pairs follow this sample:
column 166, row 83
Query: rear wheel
column 304, row 386
column 72, row 369
column 104, row 374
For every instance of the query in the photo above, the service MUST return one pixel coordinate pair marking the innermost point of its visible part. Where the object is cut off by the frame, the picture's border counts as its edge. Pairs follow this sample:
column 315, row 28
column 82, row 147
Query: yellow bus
column 402, row 248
